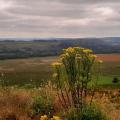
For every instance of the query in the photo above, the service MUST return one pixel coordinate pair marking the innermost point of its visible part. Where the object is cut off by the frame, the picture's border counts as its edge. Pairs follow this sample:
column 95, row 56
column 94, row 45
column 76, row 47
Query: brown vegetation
column 14, row 105
column 17, row 103
column 109, row 57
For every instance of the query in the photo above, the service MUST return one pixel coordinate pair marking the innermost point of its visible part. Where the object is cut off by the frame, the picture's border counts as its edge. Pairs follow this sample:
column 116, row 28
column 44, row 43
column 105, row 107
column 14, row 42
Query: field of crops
column 36, row 71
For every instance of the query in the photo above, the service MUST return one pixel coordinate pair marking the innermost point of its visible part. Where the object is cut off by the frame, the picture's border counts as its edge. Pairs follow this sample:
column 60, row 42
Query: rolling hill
column 24, row 48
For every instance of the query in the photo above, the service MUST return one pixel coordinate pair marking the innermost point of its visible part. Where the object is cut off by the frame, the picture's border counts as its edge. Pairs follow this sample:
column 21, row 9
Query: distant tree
column 115, row 80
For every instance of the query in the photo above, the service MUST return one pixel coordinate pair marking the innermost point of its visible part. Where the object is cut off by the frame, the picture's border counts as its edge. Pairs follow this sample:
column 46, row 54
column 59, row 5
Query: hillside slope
column 14, row 48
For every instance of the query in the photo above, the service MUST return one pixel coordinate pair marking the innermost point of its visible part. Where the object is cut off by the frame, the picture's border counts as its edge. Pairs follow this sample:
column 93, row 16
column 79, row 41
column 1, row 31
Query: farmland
column 34, row 72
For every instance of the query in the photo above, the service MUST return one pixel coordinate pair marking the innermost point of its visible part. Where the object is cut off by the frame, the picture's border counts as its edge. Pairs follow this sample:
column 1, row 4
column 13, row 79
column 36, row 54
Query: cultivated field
column 36, row 71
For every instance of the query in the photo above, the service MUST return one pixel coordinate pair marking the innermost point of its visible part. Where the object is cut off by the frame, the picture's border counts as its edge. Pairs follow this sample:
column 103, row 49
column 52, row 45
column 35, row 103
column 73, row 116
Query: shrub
column 92, row 113
column 74, row 70
column 42, row 106
column 115, row 80
column 88, row 113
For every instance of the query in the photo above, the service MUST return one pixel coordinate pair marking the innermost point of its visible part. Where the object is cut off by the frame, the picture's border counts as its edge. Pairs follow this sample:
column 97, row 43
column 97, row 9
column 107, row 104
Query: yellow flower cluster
column 93, row 56
column 55, row 118
column 56, row 64
column 44, row 117
column 55, row 75
column 70, row 50
column 77, row 53
column 65, row 55
column 74, row 49
column 87, row 51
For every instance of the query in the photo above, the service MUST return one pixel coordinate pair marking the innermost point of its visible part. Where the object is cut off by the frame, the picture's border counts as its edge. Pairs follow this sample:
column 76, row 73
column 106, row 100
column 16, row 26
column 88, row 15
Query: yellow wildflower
column 55, row 75
column 56, row 64
column 71, row 50
column 66, row 54
column 55, row 118
column 93, row 56
column 87, row 51
column 44, row 117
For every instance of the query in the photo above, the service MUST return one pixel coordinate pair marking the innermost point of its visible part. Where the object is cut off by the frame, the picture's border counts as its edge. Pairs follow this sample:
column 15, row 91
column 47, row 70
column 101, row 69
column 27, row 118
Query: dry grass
column 109, row 102
column 15, row 104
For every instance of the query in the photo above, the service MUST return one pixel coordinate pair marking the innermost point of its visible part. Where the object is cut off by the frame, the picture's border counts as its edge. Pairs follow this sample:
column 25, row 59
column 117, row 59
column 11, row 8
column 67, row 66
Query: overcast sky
column 59, row 18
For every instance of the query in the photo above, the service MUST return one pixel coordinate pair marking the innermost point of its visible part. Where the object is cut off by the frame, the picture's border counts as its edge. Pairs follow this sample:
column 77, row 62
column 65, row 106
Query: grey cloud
column 87, row 1
column 61, row 18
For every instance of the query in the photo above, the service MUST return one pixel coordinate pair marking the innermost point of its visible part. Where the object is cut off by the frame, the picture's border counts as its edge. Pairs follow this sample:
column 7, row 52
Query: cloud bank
column 59, row 18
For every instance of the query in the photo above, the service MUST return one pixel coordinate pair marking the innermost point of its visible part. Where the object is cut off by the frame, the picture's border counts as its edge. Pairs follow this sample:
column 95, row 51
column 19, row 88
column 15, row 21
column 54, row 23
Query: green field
column 33, row 72
column 25, row 72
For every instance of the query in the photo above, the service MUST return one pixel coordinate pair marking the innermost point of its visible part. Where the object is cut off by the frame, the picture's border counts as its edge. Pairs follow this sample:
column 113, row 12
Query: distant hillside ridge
column 24, row 48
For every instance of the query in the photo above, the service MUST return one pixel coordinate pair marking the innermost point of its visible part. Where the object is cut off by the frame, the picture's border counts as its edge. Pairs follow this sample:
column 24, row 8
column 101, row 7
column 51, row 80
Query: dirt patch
column 109, row 57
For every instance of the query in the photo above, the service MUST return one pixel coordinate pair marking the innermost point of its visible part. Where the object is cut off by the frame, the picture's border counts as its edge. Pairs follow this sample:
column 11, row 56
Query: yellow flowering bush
column 74, row 70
